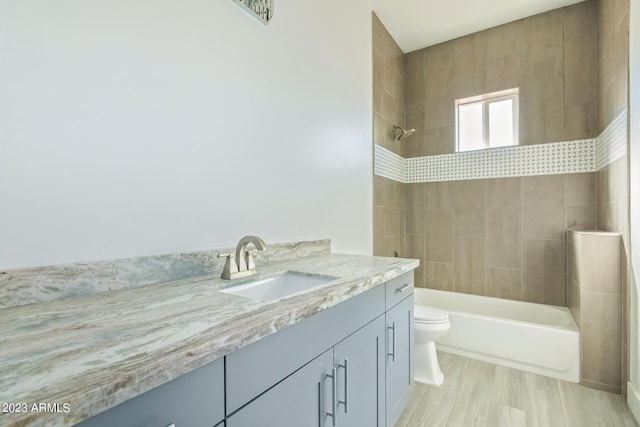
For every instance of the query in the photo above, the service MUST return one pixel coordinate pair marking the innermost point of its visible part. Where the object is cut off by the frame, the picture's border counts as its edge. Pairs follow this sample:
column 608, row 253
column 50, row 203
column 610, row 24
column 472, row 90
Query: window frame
column 487, row 99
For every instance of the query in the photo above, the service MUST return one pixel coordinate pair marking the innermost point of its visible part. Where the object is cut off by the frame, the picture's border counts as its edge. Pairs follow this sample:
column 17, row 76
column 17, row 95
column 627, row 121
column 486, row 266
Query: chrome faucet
column 241, row 263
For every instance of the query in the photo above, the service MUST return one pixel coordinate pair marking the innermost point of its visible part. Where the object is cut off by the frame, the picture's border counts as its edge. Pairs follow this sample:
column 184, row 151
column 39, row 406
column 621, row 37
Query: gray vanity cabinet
column 346, row 380
column 360, row 379
column 195, row 399
column 399, row 358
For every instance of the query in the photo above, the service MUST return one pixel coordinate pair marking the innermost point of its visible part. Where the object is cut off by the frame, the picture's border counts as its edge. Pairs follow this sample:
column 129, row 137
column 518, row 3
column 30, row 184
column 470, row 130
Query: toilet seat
column 429, row 315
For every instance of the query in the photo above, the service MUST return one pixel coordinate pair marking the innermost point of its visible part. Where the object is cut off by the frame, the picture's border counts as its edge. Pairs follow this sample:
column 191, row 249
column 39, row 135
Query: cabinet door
column 301, row 400
column 359, row 360
column 399, row 358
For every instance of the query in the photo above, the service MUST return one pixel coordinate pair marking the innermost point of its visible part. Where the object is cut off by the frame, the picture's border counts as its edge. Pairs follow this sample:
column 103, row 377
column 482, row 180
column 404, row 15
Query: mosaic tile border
column 612, row 142
column 388, row 164
column 585, row 155
column 541, row 159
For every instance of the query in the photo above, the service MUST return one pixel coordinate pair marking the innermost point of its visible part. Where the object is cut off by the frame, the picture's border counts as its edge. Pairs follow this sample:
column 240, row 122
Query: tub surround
column 96, row 351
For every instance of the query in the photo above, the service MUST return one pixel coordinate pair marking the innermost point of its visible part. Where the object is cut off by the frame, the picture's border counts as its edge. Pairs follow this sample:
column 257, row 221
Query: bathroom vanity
column 339, row 354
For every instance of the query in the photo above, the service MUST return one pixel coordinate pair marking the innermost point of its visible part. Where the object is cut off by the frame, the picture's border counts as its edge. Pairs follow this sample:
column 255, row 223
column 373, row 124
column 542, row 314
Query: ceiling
column 415, row 24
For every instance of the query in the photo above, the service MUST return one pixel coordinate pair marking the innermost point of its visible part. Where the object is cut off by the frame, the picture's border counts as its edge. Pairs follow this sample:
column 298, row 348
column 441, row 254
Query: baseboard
column 633, row 399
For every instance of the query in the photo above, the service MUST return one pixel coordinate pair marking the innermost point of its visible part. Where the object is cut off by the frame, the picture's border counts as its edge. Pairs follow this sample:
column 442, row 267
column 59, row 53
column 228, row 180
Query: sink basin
column 276, row 287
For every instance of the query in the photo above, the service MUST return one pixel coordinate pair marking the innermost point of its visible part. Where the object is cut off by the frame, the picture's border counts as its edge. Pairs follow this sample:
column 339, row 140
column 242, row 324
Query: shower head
column 403, row 133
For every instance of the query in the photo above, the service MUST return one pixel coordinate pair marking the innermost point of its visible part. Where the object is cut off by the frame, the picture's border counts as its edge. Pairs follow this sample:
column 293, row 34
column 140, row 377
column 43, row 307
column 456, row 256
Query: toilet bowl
column 429, row 325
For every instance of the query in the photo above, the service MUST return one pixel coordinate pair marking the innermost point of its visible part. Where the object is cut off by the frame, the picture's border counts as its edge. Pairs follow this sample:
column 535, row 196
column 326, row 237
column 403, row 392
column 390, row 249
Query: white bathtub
column 538, row 338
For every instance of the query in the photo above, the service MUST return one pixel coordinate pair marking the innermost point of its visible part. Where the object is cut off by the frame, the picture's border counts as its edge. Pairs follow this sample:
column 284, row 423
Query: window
column 487, row 121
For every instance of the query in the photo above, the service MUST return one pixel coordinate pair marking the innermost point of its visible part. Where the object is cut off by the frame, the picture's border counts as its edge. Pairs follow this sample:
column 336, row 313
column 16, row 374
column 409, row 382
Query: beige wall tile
column 505, row 72
column 543, row 201
column 415, row 77
column 392, row 246
column 531, row 110
column 580, row 122
column 378, row 80
column 529, row 54
column 469, row 267
column 415, row 208
column 580, row 64
column 378, row 31
column 574, row 303
column 544, row 271
column 504, row 192
column 414, row 119
column 605, row 189
column 378, row 190
column 579, row 189
column 601, row 337
column 439, row 234
column 439, row 85
column 439, row 194
column 390, row 193
column 470, row 63
column 504, row 40
column 580, row 217
column 470, row 202
column 439, row 276
column 415, row 249
column 607, row 217
column 601, row 264
column 470, row 221
column 573, row 261
column 580, row 19
column 381, row 135
column 470, row 192
column 440, row 141
column 391, row 52
column 504, row 283
column 625, row 298
column 378, row 231
column 553, row 111
column 392, row 225
column 504, row 240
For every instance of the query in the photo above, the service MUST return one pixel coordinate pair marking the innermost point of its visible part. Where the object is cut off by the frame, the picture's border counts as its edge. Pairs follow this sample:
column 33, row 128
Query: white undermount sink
column 276, row 287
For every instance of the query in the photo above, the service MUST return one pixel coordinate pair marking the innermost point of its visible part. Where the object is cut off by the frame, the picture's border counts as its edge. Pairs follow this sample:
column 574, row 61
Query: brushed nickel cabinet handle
column 393, row 342
column 334, row 397
column 345, row 402
column 403, row 288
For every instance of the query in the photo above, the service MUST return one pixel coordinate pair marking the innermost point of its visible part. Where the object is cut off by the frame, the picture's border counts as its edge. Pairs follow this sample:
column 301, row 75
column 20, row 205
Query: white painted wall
column 144, row 127
column 634, row 191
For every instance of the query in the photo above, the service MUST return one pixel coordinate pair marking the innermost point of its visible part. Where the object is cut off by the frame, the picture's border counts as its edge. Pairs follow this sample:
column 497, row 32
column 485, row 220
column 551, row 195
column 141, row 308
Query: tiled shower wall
column 504, row 237
column 388, row 109
column 612, row 180
column 500, row 237
column 551, row 57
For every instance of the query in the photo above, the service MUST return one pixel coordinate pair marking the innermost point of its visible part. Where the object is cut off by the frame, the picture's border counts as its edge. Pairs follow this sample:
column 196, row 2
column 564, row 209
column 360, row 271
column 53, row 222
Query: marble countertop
column 96, row 351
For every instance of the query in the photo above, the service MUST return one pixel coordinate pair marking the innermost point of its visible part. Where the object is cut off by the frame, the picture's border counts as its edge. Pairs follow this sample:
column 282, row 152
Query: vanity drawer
column 399, row 288
column 195, row 399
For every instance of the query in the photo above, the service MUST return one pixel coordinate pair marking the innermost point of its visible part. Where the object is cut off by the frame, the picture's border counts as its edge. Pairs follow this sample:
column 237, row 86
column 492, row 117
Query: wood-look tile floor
column 476, row 393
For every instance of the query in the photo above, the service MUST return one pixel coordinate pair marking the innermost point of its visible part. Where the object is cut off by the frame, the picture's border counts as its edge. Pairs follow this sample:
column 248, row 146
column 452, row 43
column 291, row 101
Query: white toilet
column 430, row 324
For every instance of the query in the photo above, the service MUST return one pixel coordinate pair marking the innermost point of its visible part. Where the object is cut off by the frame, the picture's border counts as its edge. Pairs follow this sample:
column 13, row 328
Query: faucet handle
column 230, row 266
